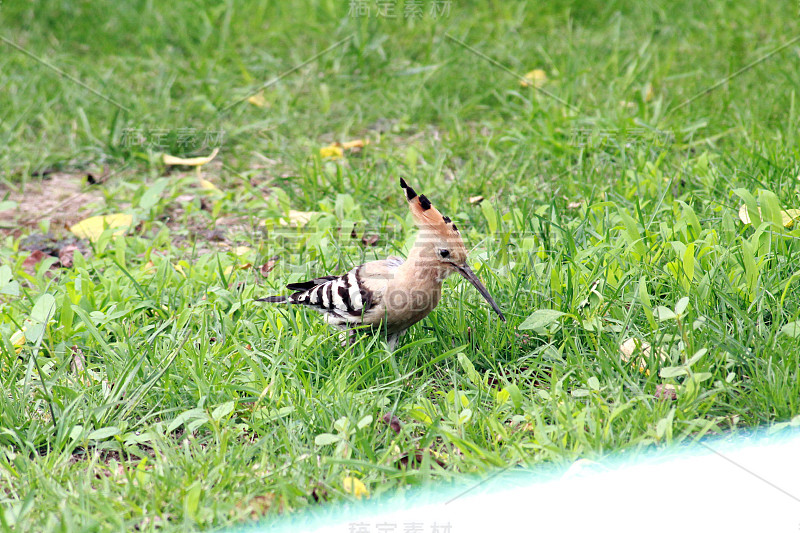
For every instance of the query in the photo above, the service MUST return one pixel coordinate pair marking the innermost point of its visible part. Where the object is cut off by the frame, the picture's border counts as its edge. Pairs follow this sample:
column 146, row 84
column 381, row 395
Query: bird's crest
column 425, row 215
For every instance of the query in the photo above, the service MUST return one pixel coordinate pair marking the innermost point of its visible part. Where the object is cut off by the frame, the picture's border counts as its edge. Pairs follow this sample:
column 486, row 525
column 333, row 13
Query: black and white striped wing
column 346, row 300
column 343, row 298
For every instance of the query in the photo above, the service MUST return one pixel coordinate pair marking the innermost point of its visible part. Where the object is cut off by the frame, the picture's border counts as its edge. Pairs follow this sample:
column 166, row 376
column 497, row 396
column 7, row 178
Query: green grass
column 191, row 406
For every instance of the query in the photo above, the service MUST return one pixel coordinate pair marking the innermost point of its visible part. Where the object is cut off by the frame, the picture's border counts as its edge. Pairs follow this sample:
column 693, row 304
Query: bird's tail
column 273, row 299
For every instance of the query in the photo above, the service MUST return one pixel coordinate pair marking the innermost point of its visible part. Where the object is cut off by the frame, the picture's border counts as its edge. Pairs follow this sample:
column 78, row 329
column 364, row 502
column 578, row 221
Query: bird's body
column 390, row 295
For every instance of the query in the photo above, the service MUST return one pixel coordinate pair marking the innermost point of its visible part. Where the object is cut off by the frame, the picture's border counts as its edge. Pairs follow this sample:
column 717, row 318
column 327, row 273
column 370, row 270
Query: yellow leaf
column 18, row 339
column 92, row 227
column 332, row 151
column 179, row 269
column 241, row 250
column 208, row 186
column 789, row 217
column 648, row 92
column 628, row 348
column 744, row 216
column 189, row 161
column 536, row 77
column 298, row 218
column 358, row 143
column 336, row 150
column 258, row 100
column 355, row 487
column 228, row 270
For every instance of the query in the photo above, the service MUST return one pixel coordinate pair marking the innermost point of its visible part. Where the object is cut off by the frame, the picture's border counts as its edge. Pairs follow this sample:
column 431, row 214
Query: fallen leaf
column 474, row 200
column 665, row 391
column 298, row 218
column 393, row 422
column 336, row 150
column 66, row 254
column 536, row 77
column 258, row 100
column 78, row 363
column 648, row 92
column 628, row 348
column 208, row 186
column 333, row 151
column 29, row 265
column 260, row 506
column 369, row 240
column 241, row 250
column 744, row 216
column 788, row 216
column 406, row 459
column 319, row 493
column 189, row 161
column 355, row 487
column 92, row 227
column 358, row 143
column 267, row 267
column 18, row 339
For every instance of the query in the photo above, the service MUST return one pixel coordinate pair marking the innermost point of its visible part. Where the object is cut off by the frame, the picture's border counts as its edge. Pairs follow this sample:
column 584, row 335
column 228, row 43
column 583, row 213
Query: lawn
column 632, row 206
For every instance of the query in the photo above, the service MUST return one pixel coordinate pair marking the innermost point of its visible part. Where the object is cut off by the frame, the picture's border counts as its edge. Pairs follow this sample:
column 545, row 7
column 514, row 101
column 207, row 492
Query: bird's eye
column 444, row 253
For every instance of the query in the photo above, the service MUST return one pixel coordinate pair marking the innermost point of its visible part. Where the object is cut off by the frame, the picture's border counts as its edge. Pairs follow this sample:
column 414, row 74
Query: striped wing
column 347, row 300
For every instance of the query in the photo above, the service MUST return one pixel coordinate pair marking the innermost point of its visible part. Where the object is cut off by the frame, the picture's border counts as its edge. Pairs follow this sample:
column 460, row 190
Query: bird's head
column 439, row 245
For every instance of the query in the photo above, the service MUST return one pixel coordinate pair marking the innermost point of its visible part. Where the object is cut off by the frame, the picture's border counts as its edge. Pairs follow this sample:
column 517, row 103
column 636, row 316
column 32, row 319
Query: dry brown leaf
column 369, row 240
column 267, row 267
column 29, row 265
column 665, row 391
column 66, row 254
column 78, row 361
column 393, row 422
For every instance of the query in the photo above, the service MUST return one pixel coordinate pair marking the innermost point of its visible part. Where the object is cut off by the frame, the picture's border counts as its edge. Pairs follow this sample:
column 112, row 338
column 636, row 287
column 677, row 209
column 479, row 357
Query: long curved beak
column 465, row 271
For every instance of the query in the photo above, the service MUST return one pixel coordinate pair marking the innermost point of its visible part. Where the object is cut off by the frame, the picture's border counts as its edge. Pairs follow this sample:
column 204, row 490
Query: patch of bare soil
column 63, row 198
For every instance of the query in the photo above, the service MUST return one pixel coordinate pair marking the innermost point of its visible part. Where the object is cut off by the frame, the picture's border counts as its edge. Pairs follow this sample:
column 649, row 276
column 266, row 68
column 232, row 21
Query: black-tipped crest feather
column 410, row 193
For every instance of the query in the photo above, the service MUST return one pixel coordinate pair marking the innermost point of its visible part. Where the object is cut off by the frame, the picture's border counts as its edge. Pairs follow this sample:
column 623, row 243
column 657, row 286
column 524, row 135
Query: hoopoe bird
column 390, row 295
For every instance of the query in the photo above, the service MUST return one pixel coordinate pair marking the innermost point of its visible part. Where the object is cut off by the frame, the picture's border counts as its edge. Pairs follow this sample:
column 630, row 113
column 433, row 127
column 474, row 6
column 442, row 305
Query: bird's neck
column 423, row 268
